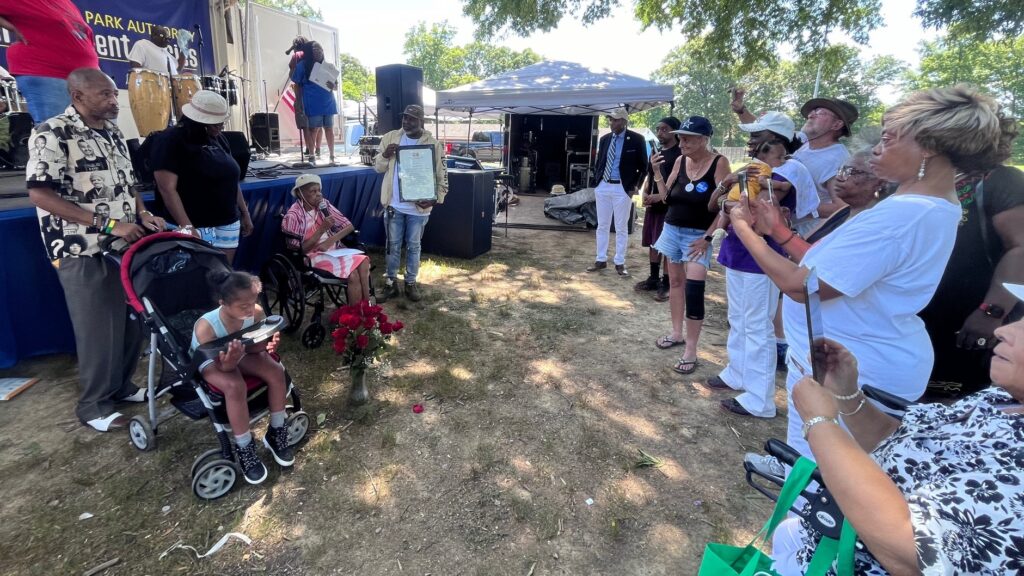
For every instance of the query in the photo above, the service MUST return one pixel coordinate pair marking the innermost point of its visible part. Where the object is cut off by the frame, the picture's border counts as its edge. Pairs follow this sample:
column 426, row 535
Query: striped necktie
column 611, row 158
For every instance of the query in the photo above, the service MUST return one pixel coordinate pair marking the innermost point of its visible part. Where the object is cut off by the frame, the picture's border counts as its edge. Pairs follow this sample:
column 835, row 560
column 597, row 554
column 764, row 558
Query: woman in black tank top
column 685, row 237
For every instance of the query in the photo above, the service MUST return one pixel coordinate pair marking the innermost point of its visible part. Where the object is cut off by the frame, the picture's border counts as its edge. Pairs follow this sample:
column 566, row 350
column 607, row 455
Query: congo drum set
column 153, row 95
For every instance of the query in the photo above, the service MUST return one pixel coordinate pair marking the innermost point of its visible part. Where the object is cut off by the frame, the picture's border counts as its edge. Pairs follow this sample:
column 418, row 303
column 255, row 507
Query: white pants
column 753, row 300
column 612, row 200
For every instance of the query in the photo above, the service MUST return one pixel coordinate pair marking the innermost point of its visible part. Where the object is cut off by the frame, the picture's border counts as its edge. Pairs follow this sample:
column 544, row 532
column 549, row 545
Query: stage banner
column 118, row 24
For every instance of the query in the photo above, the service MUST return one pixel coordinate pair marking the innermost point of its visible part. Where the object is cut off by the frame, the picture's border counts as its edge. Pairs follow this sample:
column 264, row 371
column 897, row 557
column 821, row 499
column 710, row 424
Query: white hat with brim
column 1015, row 289
column 619, row 114
column 774, row 122
column 207, row 107
column 303, row 180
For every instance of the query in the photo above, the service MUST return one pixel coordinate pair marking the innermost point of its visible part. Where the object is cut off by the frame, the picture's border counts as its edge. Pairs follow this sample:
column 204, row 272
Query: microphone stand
column 202, row 65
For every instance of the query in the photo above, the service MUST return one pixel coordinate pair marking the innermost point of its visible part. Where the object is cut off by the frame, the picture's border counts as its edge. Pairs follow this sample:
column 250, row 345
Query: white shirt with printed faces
column 153, row 57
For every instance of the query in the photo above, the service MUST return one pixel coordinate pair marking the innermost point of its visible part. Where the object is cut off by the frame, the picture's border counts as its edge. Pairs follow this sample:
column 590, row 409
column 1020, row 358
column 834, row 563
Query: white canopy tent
column 555, row 87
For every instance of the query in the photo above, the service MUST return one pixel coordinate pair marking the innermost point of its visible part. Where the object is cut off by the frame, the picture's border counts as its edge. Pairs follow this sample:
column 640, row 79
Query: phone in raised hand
column 815, row 326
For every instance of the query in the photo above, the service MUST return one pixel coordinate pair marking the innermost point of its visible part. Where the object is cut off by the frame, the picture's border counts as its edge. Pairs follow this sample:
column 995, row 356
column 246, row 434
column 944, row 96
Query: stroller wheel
column 283, row 293
column 214, row 479
column 141, row 434
column 203, row 459
column 298, row 425
column 313, row 336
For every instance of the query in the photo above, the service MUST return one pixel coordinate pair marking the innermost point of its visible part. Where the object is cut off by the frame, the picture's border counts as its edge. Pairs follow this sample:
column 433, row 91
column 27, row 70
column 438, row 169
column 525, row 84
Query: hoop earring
column 920, row 172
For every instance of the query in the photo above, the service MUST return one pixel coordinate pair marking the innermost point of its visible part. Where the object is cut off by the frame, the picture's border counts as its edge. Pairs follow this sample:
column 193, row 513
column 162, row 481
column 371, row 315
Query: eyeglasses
column 847, row 172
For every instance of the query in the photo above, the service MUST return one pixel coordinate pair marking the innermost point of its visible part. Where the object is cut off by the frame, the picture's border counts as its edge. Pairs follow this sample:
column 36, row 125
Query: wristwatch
column 992, row 310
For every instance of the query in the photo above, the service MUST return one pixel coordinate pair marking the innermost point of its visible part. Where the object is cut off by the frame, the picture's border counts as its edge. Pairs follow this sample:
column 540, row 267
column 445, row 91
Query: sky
column 639, row 53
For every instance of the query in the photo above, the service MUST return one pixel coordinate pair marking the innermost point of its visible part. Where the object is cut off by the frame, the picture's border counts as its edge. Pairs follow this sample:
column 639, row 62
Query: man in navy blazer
column 621, row 164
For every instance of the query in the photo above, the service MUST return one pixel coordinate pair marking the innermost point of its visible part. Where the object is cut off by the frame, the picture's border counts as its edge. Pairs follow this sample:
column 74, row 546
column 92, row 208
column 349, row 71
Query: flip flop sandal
column 685, row 366
column 666, row 342
column 112, row 422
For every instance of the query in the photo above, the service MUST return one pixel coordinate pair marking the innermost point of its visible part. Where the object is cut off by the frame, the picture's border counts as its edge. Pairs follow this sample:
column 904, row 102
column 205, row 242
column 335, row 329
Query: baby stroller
column 164, row 278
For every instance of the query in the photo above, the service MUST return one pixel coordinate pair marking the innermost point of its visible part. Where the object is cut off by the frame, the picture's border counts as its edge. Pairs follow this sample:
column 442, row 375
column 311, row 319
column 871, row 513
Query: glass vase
column 358, row 394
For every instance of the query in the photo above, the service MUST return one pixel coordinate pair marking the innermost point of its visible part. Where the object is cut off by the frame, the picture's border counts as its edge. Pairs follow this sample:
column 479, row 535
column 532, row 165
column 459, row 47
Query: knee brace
column 694, row 299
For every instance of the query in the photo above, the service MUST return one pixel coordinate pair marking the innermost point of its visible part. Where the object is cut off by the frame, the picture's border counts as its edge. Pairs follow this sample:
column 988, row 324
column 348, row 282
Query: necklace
column 965, row 194
column 703, row 168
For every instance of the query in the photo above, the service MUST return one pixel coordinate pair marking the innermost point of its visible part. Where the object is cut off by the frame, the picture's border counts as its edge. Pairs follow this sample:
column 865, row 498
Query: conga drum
column 184, row 86
column 149, row 94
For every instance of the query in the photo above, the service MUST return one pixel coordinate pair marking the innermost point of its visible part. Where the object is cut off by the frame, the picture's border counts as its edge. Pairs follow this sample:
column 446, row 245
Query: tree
column 977, row 20
column 300, row 7
column 357, row 82
column 446, row 65
column 748, row 32
column 701, row 87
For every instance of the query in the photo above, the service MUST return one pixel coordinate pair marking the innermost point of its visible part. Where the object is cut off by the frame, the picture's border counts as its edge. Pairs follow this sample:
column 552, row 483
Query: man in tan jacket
column 405, row 221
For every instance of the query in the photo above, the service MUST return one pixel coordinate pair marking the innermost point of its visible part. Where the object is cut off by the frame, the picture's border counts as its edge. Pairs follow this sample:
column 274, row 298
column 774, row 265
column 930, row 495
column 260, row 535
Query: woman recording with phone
column 881, row 267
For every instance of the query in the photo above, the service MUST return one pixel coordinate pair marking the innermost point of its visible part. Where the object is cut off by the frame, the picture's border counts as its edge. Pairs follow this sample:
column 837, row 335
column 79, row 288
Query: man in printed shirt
column 106, row 339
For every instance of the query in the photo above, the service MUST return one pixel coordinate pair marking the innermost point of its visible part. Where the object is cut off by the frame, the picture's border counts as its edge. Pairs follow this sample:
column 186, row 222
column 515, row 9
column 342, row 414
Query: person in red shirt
column 50, row 40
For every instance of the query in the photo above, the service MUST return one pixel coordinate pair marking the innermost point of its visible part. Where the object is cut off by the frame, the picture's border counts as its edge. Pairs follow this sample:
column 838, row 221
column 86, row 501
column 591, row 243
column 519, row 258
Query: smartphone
column 744, row 192
column 815, row 327
column 771, row 193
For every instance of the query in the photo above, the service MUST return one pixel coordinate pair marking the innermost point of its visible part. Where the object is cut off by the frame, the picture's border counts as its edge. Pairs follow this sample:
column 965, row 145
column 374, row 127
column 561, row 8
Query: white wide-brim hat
column 207, row 107
column 302, row 180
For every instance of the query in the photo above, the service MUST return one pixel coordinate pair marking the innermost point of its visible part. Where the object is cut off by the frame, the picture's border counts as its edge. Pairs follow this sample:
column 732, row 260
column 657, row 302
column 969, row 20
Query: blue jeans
column 46, row 97
column 408, row 229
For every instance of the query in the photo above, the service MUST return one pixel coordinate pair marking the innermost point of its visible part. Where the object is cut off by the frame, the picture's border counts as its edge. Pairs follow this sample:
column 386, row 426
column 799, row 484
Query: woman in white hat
column 316, row 228
column 198, row 178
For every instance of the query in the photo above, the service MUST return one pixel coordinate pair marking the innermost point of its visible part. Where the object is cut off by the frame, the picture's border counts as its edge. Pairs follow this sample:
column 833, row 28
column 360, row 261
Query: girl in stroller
column 237, row 293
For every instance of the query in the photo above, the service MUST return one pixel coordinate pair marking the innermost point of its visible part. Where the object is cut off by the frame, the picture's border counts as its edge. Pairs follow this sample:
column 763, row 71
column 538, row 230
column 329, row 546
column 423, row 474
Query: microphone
column 324, row 211
column 223, row 72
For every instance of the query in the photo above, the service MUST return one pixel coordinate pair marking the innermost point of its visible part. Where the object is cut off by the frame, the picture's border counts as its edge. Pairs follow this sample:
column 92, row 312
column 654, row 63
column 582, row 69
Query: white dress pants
column 612, row 201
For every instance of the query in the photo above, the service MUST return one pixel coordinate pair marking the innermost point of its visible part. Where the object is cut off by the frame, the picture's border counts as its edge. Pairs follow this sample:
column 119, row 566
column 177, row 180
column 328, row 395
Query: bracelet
column 741, row 110
column 786, row 241
column 850, row 397
column 859, row 406
column 96, row 220
column 146, row 213
column 818, row 420
column 108, row 227
column 659, row 181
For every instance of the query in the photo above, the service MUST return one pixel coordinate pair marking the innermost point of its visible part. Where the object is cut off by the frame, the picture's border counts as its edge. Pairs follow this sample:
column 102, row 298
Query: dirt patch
column 540, row 383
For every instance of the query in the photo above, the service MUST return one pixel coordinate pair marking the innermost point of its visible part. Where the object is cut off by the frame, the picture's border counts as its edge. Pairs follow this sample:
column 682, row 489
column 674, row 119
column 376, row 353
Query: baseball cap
column 207, row 107
column 414, row 110
column 695, row 126
column 844, row 110
column 302, row 180
column 619, row 114
column 774, row 122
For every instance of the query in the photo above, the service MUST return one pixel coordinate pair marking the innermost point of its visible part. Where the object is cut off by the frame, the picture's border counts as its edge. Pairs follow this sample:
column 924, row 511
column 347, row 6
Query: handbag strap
column 798, row 479
column 830, row 550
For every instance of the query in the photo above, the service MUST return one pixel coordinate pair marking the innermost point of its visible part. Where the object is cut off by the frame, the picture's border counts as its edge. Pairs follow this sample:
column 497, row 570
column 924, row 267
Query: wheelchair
column 291, row 283
column 821, row 511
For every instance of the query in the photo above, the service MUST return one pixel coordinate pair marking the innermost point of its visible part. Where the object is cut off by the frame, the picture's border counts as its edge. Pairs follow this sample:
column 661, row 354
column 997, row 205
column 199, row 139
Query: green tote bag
column 749, row 560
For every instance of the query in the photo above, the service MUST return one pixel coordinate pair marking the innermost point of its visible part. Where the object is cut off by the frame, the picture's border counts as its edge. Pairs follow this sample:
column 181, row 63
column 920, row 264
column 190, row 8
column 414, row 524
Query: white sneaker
column 765, row 464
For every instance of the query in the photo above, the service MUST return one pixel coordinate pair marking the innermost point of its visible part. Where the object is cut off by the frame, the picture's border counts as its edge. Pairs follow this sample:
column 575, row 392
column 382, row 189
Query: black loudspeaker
column 266, row 132
column 461, row 227
column 239, row 150
column 398, row 86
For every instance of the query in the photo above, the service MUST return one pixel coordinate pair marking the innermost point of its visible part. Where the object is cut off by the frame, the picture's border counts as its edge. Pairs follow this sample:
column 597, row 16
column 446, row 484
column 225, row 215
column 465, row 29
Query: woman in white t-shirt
column 882, row 266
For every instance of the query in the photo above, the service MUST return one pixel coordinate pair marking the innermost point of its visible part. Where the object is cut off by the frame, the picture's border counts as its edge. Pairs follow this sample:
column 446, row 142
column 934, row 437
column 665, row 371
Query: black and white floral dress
column 961, row 470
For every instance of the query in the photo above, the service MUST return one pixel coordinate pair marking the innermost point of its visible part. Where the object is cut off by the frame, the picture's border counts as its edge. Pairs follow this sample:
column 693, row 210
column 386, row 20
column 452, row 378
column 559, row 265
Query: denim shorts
column 320, row 121
column 674, row 243
column 224, row 237
column 46, row 97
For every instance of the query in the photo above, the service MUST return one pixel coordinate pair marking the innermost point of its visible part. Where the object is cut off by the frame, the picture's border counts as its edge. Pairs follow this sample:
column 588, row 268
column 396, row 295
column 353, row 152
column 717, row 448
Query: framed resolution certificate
column 416, row 173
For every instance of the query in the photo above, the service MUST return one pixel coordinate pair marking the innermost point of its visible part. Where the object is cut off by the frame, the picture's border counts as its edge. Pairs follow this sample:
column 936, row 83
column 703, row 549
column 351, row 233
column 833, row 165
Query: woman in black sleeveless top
column 686, row 238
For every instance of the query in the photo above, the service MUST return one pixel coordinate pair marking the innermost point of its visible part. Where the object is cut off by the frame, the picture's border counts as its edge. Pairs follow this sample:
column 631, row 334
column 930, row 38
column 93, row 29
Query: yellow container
column 753, row 182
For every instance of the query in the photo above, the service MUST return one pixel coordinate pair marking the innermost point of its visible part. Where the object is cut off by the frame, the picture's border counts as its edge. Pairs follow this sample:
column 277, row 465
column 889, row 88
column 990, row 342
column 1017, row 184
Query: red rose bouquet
column 361, row 333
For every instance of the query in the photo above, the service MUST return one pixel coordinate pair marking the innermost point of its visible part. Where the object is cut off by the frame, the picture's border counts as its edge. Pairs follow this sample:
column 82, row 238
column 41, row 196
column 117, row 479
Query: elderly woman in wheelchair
column 317, row 229
column 939, row 492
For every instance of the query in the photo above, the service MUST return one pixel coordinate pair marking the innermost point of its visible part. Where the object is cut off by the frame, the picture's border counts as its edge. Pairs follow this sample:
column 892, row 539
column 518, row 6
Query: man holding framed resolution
column 415, row 178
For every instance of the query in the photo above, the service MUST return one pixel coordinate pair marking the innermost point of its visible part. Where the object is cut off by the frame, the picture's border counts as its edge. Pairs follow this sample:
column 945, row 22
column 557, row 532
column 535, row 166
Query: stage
column 34, row 319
